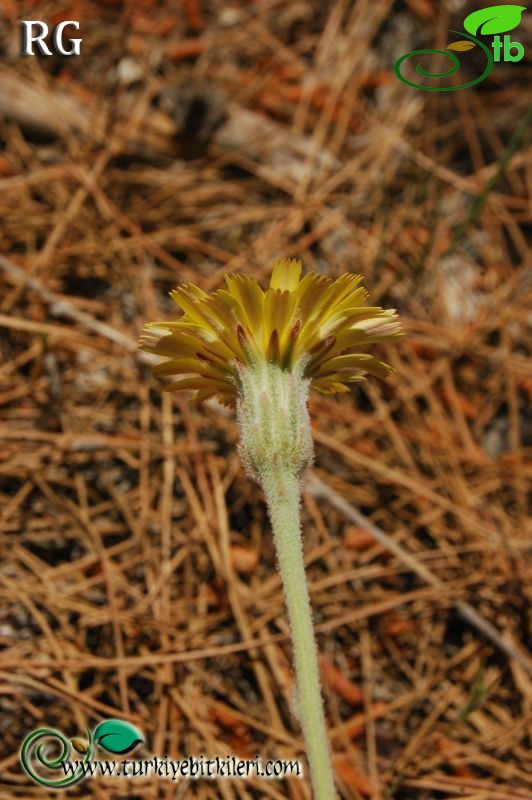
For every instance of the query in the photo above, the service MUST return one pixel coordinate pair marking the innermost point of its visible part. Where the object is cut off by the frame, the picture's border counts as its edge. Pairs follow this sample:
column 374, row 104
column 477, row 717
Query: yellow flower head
column 314, row 321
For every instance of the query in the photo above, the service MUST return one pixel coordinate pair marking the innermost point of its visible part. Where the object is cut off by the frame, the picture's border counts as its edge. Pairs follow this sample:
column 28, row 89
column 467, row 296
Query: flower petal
column 286, row 274
column 315, row 318
column 249, row 303
column 355, row 363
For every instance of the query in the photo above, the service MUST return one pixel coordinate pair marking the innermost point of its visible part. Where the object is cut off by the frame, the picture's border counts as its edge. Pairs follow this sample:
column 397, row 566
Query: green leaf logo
column 495, row 19
column 117, row 736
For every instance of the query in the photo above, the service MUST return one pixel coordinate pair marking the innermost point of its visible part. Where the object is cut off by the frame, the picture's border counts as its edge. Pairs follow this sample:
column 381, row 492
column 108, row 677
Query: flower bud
column 273, row 419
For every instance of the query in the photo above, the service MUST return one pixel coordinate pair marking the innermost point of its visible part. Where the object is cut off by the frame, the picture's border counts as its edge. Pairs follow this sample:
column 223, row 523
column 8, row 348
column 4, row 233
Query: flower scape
column 313, row 324
column 261, row 351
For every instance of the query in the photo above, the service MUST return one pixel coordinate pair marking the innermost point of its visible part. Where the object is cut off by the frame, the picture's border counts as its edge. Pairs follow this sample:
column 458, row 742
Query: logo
column 486, row 21
column 112, row 735
column 52, row 760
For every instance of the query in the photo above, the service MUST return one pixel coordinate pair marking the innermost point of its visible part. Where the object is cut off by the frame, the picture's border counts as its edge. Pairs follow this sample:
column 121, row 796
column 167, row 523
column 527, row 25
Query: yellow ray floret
column 317, row 319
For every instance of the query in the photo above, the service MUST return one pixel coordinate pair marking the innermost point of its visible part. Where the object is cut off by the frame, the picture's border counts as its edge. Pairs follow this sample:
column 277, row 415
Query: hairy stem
column 276, row 449
column 283, row 497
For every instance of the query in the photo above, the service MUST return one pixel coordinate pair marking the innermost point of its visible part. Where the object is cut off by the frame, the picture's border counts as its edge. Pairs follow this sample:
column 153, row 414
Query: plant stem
column 276, row 450
column 282, row 489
